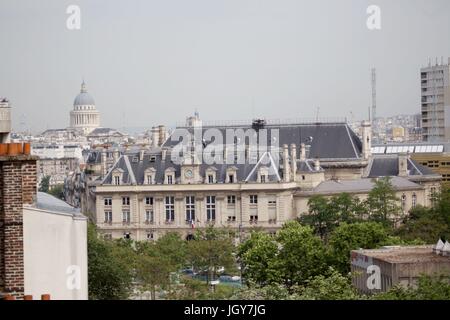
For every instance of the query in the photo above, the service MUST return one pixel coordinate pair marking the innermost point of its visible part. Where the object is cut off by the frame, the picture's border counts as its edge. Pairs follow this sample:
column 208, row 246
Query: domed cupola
column 84, row 115
column 84, row 98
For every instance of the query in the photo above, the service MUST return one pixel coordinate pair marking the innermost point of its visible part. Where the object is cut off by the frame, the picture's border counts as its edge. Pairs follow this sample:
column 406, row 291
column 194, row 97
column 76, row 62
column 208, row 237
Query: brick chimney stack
column 18, row 186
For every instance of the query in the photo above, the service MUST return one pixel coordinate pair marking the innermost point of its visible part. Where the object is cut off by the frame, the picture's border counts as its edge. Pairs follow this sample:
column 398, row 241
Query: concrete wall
column 53, row 242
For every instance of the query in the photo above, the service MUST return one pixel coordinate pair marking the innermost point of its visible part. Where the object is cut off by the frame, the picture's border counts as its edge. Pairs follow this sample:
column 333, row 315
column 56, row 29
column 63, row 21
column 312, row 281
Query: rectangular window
column 149, row 216
column 149, row 201
column 116, row 180
column 190, row 208
column 126, row 217
column 210, row 178
column 108, row 217
column 253, row 199
column 170, row 179
column 263, row 179
column 170, row 209
column 126, row 201
column 108, row 201
column 149, row 179
column 210, row 208
column 231, row 178
column 150, row 236
column 231, row 199
column 254, row 219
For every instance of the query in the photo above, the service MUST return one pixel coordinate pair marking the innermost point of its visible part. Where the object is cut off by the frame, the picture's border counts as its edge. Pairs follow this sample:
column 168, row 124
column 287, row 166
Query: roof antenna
column 317, row 114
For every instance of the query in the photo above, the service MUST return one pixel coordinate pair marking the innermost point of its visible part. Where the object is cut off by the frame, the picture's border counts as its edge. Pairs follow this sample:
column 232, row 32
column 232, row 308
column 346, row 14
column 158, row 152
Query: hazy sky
column 151, row 62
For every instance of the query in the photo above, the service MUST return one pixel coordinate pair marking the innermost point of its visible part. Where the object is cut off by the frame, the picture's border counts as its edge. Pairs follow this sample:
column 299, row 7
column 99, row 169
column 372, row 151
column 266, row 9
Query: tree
column 347, row 237
column 57, row 191
column 329, row 286
column 258, row 256
column 45, row 184
column 211, row 249
column 301, row 254
column 110, row 275
column 424, row 224
column 324, row 215
column 173, row 248
column 153, row 271
column 321, row 216
column 383, row 203
column 428, row 288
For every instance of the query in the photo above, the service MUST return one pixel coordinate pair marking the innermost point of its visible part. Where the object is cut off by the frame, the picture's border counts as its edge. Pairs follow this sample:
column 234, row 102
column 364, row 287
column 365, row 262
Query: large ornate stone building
column 84, row 115
column 150, row 192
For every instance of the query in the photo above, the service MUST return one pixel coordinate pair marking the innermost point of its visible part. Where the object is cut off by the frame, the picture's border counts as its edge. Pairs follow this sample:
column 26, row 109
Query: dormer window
column 263, row 174
column 117, row 177
column 231, row 175
column 170, row 176
column 211, row 175
column 150, row 176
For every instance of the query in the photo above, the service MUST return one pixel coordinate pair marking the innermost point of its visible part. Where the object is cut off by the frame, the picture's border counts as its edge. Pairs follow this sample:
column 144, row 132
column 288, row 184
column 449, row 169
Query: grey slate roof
column 326, row 140
column 104, row 131
column 387, row 165
column 361, row 185
column 46, row 201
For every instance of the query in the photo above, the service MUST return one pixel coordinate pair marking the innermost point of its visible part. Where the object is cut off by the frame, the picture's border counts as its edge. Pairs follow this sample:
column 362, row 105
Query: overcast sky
column 155, row 62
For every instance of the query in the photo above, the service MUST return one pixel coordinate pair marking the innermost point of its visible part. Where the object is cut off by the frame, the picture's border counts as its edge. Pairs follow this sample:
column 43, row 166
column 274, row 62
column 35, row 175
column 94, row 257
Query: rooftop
column 46, row 201
column 400, row 254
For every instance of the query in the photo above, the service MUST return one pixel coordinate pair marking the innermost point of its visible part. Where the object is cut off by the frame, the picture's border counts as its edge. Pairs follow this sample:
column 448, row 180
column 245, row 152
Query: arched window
column 414, row 200
column 403, row 202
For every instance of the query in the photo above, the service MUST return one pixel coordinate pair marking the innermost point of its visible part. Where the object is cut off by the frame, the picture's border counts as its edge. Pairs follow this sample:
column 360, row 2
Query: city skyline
column 294, row 60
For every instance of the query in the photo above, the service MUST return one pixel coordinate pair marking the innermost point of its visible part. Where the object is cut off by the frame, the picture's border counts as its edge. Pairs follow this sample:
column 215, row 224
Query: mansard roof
column 326, row 140
column 387, row 165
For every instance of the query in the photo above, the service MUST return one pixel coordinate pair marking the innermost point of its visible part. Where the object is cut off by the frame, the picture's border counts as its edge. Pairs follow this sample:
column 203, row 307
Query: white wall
column 52, row 243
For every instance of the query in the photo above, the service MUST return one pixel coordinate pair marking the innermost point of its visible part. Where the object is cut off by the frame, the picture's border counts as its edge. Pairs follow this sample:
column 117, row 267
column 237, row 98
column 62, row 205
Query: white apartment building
column 435, row 99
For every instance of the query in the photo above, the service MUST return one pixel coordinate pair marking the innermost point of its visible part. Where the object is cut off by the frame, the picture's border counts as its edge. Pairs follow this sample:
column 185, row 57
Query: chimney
column 5, row 120
column 294, row 161
column 155, row 137
column 104, row 163
column 366, row 139
column 402, row 165
column 161, row 134
column 18, row 188
column 286, row 170
column 116, row 155
column 141, row 155
column 316, row 165
column 302, row 152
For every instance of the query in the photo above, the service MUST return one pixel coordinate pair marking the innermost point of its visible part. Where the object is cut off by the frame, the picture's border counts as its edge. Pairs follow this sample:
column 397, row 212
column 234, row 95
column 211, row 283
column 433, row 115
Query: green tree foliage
column 425, row 224
column 428, row 288
column 110, row 272
column 347, row 237
column 301, row 254
column 57, row 191
column 211, row 249
column 330, row 286
column 258, row 257
column 291, row 258
column 325, row 214
column 44, row 186
column 382, row 203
